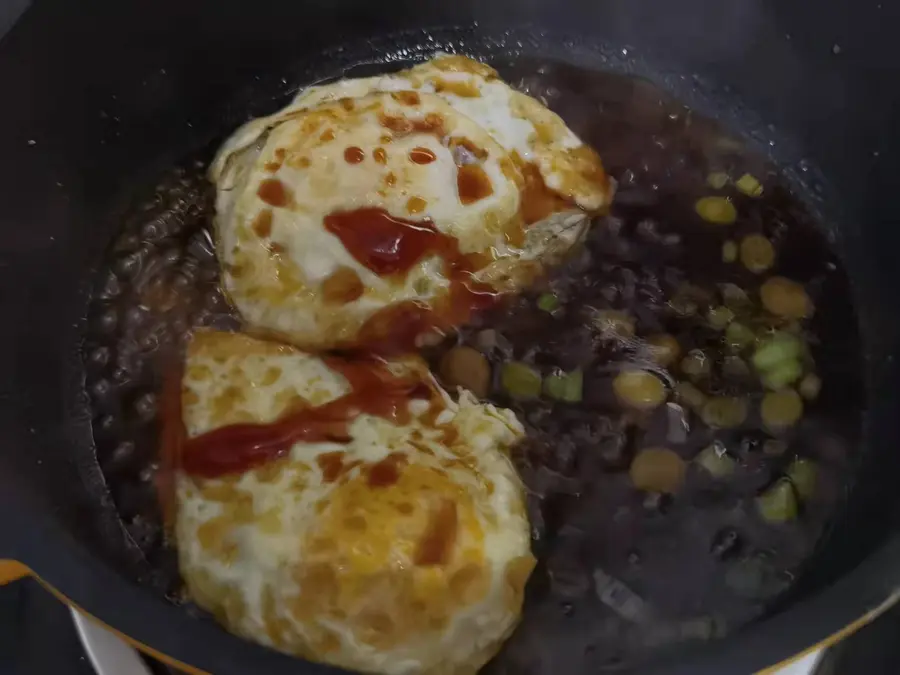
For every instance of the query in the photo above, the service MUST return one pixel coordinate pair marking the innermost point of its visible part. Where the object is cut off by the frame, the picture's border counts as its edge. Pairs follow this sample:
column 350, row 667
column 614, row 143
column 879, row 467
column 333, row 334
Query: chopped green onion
column 810, row 386
column 520, row 381
column 696, row 365
column 639, row 389
column 724, row 412
column 690, row 396
column 564, row 386
column 777, row 349
column 717, row 180
column 749, row 185
column 738, row 336
column 719, row 317
column 716, row 460
column 717, row 210
column 778, row 504
column 781, row 409
column 729, row 251
column 782, row 374
column 802, row 473
column 547, row 302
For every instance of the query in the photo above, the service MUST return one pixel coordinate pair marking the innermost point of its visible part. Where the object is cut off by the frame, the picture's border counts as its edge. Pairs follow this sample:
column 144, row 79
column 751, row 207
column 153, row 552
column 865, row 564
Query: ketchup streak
column 388, row 245
column 238, row 447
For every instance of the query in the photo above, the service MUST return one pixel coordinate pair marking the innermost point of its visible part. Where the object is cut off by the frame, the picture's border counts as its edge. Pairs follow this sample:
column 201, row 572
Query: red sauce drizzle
column 354, row 155
column 387, row 244
column 387, row 472
column 420, row 155
column 235, row 448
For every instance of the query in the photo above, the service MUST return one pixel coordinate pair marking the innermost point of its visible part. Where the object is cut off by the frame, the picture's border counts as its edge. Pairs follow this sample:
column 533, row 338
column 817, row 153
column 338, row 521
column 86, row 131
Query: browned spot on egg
column 262, row 224
column 440, row 535
column 457, row 63
column 432, row 123
column 416, row 204
column 275, row 164
column 420, row 155
column 405, row 508
column 387, row 471
column 391, row 179
column 327, row 135
column 406, row 97
column 342, row 286
column 347, row 104
column 385, row 138
column 354, row 155
column 461, row 88
column 273, row 192
column 537, row 200
column 275, row 248
column 473, row 183
column 333, row 466
column 379, row 155
column 356, row 522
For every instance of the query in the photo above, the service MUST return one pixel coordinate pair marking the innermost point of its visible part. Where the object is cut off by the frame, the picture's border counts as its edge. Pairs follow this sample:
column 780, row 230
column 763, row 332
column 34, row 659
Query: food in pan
column 379, row 212
column 671, row 385
column 349, row 512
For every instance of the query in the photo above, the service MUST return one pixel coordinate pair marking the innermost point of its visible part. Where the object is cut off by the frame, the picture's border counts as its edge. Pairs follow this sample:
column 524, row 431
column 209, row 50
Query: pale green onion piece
column 717, row 210
column 729, row 251
column 717, row 180
column 719, row 317
column 749, row 185
column 803, row 473
column 782, row 374
column 564, row 386
column 520, row 381
column 690, row 396
column 777, row 349
column 724, row 412
column 810, row 386
column 547, row 302
column 738, row 336
column 778, row 504
column 716, row 460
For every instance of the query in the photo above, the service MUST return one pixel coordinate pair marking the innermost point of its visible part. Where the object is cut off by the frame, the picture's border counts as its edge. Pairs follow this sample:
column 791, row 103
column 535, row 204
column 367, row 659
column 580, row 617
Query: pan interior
column 622, row 575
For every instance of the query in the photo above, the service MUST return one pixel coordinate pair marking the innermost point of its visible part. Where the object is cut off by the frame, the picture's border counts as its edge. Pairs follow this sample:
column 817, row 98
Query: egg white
column 276, row 276
column 325, row 570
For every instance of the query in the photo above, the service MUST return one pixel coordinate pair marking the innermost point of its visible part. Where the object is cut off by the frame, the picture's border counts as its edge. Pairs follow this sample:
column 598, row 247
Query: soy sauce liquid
column 619, row 580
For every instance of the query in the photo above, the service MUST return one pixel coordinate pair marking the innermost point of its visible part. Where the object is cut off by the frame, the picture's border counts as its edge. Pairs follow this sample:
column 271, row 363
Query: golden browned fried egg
column 316, row 203
column 402, row 549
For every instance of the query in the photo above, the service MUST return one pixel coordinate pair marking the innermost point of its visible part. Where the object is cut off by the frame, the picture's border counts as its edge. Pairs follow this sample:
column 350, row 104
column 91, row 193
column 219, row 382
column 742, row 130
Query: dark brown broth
column 621, row 574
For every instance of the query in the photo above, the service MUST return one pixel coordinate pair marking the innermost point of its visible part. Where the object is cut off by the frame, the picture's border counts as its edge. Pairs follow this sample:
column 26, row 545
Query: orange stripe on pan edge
column 10, row 570
column 837, row 636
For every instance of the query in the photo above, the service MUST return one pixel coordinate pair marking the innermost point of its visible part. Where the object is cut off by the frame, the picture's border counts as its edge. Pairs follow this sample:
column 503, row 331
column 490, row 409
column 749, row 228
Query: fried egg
column 403, row 548
column 446, row 146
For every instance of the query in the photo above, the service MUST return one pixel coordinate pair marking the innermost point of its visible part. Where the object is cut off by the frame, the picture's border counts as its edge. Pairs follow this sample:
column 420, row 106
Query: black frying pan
column 100, row 97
